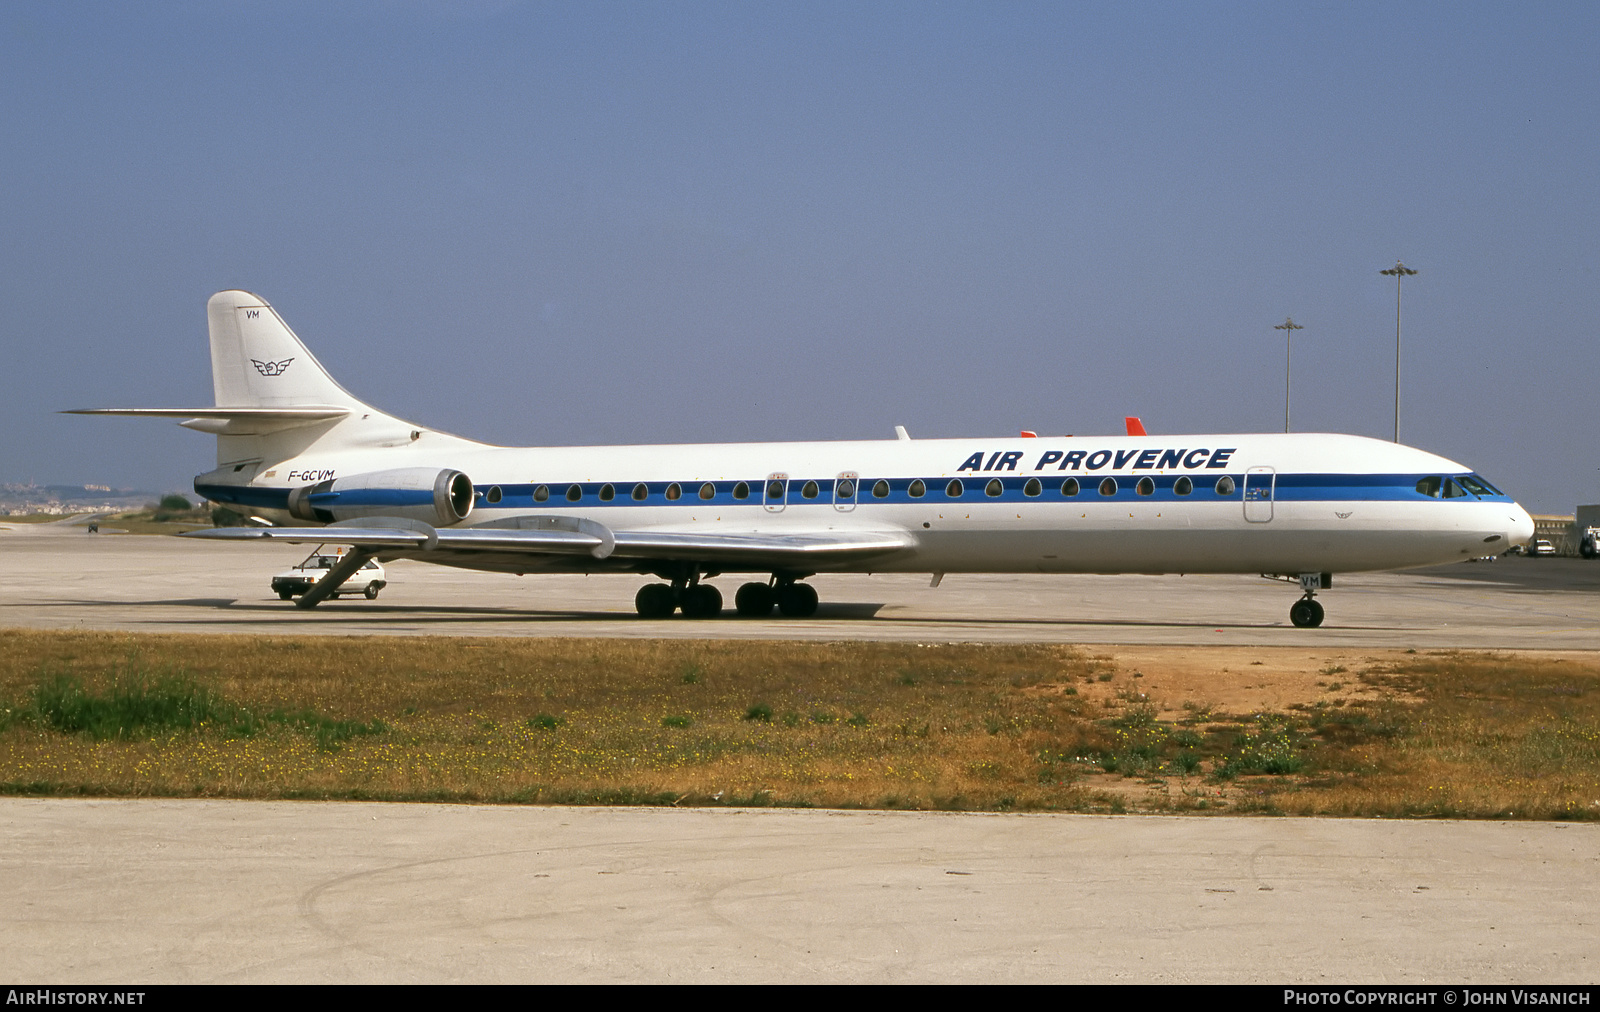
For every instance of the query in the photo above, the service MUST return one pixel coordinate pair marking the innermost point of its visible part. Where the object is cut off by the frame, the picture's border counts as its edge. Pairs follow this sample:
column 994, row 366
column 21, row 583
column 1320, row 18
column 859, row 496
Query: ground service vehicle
column 367, row 580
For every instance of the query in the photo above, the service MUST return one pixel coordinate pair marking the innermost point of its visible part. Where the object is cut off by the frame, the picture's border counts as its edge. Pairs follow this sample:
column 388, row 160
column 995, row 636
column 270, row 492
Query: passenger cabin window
column 846, row 489
column 880, row 490
column 954, row 489
column 574, row 493
column 541, row 493
column 1108, row 487
column 674, row 491
column 1146, row 486
column 994, row 488
column 775, row 490
column 808, row 490
column 741, row 490
column 1183, row 486
column 708, row 490
column 494, row 494
column 640, row 492
column 1225, row 485
column 608, row 492
column 1069, row 487
column 917, row 489
column 1032, row 488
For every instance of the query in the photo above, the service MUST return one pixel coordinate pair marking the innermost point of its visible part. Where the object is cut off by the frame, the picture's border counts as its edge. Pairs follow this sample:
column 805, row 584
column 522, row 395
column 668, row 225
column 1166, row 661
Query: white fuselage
column 1308, row 503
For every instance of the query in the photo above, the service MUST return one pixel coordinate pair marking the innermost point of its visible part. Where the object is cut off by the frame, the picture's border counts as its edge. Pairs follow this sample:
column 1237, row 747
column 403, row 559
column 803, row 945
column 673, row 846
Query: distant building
column 1561, row 531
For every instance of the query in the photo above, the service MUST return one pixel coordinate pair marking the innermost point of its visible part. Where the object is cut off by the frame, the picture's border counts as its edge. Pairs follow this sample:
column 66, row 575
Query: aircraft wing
column 381, row 536
column 571, row 536
column 772, row 548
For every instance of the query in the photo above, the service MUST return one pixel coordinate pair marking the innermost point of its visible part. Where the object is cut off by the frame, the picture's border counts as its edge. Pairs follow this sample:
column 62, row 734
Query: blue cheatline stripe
column 372, row 497
column 1013, row 489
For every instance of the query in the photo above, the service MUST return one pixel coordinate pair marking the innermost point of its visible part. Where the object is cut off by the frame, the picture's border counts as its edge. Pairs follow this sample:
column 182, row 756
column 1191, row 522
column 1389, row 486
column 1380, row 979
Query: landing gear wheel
column 755, row 600
column 371, row 592
column 797, row 600
column 1306, row 614
column 654, row 600
column 702, row 601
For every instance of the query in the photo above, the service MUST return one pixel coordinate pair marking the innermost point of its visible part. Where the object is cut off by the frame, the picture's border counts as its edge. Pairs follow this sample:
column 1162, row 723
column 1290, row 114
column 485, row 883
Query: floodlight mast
column 1399, row 271
column 1288, row 326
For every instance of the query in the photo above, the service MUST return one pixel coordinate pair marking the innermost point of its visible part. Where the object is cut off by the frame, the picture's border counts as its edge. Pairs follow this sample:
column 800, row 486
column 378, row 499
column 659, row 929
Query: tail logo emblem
column 271, row 368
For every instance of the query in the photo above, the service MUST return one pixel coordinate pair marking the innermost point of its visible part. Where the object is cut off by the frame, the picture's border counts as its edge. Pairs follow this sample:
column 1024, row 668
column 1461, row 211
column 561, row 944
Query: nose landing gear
column 1306, row 613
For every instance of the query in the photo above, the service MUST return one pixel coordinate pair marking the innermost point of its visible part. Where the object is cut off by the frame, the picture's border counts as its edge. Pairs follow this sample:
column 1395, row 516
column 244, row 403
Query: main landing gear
column 701, row 600
column 1306, row 613
column 794, row 600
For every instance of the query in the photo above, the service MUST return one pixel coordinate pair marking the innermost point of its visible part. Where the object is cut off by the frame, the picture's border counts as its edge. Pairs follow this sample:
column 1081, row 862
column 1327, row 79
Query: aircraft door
column 845, row 487
column 775, row 493
column 1259, row 483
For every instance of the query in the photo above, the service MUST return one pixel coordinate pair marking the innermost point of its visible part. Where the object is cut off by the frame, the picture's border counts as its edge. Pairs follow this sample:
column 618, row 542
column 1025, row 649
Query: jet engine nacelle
column 428, row 494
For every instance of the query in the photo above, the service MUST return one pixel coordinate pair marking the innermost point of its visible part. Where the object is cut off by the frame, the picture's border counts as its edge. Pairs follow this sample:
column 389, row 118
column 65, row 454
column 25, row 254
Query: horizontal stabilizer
column 236, row 421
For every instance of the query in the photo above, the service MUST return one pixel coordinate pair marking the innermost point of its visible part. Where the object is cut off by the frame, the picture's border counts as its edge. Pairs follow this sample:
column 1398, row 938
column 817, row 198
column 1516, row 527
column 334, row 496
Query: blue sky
column 594, row 223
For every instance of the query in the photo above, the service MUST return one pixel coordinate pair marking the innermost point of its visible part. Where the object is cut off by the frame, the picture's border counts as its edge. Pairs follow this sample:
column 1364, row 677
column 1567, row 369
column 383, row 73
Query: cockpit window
column 1477, row 486
column 1452, row 490
column 1430, row 486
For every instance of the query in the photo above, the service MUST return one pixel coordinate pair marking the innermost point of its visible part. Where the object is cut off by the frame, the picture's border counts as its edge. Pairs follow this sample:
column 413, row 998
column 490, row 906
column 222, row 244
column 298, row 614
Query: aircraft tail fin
column 1135, row 427
column 274, row 400
column 258, row 362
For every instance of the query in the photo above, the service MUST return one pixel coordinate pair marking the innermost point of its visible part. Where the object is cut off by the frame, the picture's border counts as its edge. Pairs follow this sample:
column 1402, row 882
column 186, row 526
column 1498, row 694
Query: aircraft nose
column 1520, row 531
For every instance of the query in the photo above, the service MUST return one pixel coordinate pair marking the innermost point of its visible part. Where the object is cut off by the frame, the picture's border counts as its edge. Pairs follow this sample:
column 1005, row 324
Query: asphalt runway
column 280, row 892
column 216, row 891
column 59, row 577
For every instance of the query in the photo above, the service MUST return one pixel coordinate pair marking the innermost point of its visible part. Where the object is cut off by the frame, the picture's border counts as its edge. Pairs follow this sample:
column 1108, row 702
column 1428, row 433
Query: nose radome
column 1521, row 529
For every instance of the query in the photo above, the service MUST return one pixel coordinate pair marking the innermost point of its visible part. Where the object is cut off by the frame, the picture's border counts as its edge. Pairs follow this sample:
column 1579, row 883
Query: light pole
column 1399, row 271
column 1288, row 326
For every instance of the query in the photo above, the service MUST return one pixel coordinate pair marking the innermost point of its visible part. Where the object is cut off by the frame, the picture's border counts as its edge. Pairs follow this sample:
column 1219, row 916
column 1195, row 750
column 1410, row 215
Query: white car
column 1540, row 546
column 368, row 580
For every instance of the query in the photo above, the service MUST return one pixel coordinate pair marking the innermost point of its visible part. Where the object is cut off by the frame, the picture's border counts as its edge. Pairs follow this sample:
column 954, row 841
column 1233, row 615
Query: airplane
column 309, row 462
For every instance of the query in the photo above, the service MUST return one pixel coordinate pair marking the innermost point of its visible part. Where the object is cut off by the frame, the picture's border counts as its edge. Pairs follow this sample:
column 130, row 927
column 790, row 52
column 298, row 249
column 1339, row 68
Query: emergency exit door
column 1259, row 483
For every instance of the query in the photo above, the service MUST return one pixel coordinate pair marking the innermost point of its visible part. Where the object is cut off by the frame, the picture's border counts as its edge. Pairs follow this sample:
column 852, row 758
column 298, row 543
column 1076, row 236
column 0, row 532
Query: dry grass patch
column 961, row 726
column 1463, row 734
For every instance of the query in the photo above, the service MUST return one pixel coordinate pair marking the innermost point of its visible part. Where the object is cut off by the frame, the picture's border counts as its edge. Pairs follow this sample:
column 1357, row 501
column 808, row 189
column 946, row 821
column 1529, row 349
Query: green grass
column 144, row 705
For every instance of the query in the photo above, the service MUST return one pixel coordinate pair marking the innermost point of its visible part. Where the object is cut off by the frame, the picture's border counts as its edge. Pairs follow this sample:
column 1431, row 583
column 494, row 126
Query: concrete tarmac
column 216, row 891
column 59, row 577
column 249, row 892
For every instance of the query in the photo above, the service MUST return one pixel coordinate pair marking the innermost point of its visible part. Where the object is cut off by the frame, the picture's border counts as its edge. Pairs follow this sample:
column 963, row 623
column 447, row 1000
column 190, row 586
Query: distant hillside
column 39, row 498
